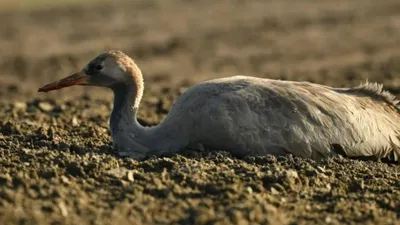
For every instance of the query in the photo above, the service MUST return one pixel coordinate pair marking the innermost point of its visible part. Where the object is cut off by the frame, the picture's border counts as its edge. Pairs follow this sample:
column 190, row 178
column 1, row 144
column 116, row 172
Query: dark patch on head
column 95, row 66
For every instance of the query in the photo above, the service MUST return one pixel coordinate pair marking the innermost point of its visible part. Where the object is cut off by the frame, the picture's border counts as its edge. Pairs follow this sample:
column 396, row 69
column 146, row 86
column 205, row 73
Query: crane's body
column 251, row 116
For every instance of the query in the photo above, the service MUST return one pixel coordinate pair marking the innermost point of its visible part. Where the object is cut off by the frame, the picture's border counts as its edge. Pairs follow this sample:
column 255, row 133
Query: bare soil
column 57, row 164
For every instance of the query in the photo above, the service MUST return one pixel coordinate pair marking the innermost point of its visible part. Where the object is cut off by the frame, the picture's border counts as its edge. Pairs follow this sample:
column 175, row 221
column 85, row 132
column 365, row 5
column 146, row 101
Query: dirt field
column 57, row 165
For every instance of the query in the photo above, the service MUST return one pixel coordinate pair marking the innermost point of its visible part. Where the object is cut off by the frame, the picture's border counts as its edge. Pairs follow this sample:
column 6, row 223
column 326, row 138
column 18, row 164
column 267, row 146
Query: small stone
column 292, row 174
column 129, row 176
column 321, row 170
column 328, row 219
column 63, row 209
column 249, row 190
column 45, row 106
column 65, row 179
column 274, row 191
column 74, row 121
column 328, row 187
column 26, row 150
column 117, row 172
column 20, row 105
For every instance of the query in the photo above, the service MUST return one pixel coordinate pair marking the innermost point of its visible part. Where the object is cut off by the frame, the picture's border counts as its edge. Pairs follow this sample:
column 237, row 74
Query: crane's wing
column 314, row 121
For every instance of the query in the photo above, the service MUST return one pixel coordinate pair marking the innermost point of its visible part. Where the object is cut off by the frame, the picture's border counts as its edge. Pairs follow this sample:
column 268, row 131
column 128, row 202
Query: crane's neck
column 127, row 97
column 125, row 105
column 129, row 135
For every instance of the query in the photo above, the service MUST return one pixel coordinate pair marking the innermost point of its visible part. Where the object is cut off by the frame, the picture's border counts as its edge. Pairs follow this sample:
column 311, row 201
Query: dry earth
column 57, row 165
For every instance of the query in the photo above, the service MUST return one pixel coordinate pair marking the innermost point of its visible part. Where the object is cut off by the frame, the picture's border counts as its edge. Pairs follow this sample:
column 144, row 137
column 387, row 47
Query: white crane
column 248, row 116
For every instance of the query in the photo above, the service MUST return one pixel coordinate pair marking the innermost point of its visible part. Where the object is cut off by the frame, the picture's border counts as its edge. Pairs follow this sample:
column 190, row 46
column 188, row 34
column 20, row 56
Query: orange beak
column 79, row 78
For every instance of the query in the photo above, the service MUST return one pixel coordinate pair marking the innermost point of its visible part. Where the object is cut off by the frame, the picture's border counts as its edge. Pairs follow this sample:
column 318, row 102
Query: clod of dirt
column 356, row 186
column 74, row 169
column 10, row 128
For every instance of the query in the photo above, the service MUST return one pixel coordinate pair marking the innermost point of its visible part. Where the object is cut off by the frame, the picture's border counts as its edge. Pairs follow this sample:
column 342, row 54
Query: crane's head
column 109, row 69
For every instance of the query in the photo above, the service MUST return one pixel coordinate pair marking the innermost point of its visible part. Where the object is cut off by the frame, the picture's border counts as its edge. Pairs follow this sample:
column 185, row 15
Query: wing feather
column 303, row 118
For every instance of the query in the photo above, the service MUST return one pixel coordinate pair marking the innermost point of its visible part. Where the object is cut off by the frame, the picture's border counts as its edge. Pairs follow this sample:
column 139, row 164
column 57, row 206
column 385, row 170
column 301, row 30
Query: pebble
column 26, row 150
column 117, row 172
column 45, row 106
column 20, row 105
column 328, row 219
column 292, row 174
column 63, row 209
column 129, row 176
column 321, row 170
column 65, row 179
column 74, row 121
column 274, row 191
column 249, row 190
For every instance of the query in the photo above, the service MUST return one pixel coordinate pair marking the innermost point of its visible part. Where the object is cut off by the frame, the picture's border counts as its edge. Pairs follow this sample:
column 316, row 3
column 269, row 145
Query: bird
column 246, row 115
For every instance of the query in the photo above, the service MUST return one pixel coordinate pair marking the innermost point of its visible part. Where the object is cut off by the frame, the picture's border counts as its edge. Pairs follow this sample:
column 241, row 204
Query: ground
column 57, row 164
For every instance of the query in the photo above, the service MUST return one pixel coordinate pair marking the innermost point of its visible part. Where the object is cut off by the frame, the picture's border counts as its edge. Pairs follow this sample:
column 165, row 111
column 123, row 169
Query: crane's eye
column 98, row 67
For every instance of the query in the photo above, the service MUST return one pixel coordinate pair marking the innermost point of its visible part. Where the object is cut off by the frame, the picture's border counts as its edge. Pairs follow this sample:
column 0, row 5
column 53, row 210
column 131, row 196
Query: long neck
column 127, row 99
column 126, row 130
column 124, row 109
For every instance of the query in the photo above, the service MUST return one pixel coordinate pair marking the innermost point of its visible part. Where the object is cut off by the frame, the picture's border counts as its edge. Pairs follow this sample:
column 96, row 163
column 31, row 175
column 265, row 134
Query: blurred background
column 178, row 43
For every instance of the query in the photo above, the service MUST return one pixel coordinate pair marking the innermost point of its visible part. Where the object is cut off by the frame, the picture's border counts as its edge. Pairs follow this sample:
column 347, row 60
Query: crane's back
column 254, row 116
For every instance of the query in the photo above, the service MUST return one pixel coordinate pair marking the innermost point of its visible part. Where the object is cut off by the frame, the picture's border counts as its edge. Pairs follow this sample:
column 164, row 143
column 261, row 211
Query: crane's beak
column 79, row 78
